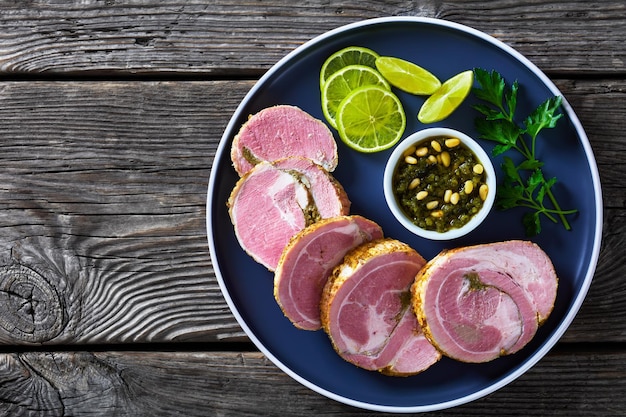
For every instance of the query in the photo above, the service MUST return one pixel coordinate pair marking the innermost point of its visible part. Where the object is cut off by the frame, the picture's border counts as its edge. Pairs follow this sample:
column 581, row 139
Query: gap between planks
column 561, row 348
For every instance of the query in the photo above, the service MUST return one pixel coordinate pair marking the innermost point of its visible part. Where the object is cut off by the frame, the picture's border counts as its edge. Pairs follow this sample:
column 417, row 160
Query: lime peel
column 447, row 98
column 407, row 76
column 371, row 119
column 351, row 55
column 342, row 82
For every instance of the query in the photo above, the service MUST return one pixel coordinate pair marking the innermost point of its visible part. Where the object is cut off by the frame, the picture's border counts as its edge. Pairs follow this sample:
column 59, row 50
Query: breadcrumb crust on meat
column 366, row 229
column 310, row 179
column 420, row 286
column 353, row 261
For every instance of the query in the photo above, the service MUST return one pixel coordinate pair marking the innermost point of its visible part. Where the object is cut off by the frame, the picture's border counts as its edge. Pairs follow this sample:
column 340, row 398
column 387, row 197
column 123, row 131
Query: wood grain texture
column 246, row 384
column 230, row 37
column 600, row 105
column 110, row 116
column 123, row 250
column 104, row 201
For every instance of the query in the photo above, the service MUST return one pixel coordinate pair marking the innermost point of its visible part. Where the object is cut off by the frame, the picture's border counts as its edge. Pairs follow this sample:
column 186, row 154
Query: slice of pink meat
column 527, row 264
column 327, row 195
column 279, row 132
column 366, row 309
column 408, row 350
column 273, row 202
column 308, row 260
column 481, row 302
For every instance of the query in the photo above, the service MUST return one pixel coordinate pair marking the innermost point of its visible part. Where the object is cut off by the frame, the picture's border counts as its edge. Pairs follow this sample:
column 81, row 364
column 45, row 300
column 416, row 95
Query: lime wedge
column 352, row 55
column 370, row 119
column 342, row 82
column 447, row 98
column 407, row 76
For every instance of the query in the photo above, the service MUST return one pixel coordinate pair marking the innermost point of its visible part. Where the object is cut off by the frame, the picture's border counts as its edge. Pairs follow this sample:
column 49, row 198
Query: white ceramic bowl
column 397, row 211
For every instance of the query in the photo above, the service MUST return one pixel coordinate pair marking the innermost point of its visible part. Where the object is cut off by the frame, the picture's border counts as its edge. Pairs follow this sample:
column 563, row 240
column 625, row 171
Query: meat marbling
column 366, row 309
column 480, row 302
column 274, row 201
column 279, row 132
column 309, row 258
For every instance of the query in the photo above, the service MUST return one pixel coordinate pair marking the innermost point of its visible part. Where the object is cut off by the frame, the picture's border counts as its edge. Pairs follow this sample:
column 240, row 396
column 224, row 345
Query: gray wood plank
column 587, row 383
column 103, row 189
column 102, row 208
column 103, row 211
column 228, row 37
column 600, row 105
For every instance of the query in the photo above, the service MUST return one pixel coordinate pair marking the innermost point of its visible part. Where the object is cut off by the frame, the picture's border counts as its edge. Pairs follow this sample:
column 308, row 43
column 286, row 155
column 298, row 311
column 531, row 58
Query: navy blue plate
column 445, row 49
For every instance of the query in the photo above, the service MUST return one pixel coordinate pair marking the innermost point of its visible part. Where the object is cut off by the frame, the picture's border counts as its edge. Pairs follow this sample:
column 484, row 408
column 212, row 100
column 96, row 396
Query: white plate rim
column 578, row 300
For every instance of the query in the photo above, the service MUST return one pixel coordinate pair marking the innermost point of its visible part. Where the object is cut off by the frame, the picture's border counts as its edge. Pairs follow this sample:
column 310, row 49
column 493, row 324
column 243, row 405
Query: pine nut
column 483, row 191
column 437, row 214
column 452, row 142
column 410, row 160
column 468, row 187
column 432, row 159
column 423, row 151
column 478, row 169
column 447, row 195
column 432, row 204
column 409, row 151
column 435, row 145
column 445, row 159
column 422, row 195
column 454, row 198
column 414, row 183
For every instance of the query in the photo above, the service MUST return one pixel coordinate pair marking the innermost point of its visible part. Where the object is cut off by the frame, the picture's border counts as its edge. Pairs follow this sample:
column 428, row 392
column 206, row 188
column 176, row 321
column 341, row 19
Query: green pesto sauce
column 405, row 302
column 475, row 283
column 310, row 212
column 435, row 179
column 249, row 156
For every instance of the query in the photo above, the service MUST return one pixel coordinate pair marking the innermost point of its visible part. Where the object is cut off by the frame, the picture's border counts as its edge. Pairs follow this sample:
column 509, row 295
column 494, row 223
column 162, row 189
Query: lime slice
column 342, row 82
column 352, row 55
column 407, row 76
column 447, row 98
column 370, row 119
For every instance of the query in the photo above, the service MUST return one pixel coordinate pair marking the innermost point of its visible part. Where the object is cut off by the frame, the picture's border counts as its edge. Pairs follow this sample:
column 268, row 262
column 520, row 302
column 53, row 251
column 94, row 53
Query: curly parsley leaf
column 530, row 165
column 511, row 98
column 492, row 86
column 532, row 223
column 502, row 131
column 488, row 112
column 543, row 117
column 534, row 180
column 524, row 185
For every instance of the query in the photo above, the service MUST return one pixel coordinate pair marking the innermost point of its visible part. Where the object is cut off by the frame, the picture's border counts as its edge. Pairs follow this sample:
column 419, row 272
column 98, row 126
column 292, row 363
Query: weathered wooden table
column 110, row 114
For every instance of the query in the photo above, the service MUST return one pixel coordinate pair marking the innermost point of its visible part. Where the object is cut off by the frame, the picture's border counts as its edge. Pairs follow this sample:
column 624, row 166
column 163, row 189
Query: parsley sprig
column 524, row 184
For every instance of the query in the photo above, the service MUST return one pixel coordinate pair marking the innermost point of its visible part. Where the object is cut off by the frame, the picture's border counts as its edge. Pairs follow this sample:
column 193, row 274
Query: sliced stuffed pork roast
column 274, row 201
column 366, row 309
column 327, row 195
column 308, row 260
column 480, row 302
column 279, row 132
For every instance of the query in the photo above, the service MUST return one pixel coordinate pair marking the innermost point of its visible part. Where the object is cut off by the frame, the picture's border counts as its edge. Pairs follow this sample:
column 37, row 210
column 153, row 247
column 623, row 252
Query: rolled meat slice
column 328, row 198
column 481, row 302
column 279, row 132
column 274, row 201
column 366, row 309
column 308, row 260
